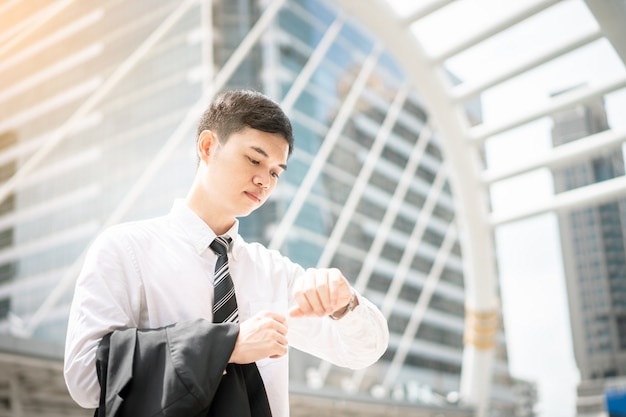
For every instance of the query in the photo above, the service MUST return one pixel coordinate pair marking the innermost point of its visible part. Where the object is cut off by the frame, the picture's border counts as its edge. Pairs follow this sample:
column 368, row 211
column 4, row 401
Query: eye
column 275, row 175
column 253, row 161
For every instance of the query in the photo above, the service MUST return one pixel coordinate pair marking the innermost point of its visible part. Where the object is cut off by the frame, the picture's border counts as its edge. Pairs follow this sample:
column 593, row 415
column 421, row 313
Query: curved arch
column 470, row 195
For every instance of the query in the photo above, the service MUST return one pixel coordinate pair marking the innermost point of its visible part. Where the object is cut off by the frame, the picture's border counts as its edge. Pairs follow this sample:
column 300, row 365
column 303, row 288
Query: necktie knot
column 220, row 245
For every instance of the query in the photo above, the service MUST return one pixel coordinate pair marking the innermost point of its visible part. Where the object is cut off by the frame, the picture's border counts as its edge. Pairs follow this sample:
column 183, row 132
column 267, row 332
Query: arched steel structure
column 470, row 196
column 463, row 143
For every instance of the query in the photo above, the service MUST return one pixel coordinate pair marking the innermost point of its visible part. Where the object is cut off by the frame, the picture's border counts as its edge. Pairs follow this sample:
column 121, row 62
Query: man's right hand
column 264, row 335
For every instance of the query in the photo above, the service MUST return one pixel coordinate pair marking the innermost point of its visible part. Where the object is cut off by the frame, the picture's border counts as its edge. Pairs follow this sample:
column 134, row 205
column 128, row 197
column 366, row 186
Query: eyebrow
column 261, row 151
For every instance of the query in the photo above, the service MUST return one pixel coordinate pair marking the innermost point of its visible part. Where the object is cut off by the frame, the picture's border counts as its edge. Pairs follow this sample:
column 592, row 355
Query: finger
column 274, row 322
column 279, row 351
column 322, row 290
column 296, row 312
column 279, row 347
column 303, row 303
column 281, row 328
column 282, row 340
column 342, row 292
column 302, row 293
column 273, row 315
column 335, row 279
column 316, row 307
column 313, row 278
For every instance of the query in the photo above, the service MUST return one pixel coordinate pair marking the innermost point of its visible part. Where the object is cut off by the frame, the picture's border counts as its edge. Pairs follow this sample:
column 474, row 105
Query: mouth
column 253, row 197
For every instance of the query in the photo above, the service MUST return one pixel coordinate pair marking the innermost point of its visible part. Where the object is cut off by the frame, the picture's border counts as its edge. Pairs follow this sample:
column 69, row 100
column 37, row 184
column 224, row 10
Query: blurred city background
column 461, row 162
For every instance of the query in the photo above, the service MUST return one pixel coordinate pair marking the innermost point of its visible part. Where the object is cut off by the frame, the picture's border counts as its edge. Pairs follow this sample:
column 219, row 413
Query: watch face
column 347, row 309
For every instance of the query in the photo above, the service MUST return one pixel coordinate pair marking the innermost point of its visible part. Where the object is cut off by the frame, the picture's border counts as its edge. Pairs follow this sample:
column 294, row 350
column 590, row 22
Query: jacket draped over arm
column 178, row 370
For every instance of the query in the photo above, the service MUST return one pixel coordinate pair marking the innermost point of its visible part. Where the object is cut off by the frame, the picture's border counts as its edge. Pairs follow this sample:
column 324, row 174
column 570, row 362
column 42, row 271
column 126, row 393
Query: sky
column 535, row 308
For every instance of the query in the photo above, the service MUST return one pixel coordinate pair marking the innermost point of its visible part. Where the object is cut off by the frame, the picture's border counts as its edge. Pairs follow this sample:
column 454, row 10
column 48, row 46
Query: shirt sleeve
column 355, row 341
column 106, row 297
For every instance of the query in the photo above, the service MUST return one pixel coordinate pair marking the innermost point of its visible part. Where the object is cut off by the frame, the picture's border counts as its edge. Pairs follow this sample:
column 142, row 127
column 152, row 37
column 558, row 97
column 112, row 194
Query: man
column 158, row 274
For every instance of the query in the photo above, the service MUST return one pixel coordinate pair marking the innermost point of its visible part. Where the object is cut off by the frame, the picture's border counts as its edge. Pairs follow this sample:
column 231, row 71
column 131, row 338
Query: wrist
column 339, row 314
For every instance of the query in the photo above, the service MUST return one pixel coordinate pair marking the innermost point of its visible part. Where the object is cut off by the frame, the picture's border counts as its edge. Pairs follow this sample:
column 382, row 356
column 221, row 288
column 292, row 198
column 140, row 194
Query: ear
column 207, row 144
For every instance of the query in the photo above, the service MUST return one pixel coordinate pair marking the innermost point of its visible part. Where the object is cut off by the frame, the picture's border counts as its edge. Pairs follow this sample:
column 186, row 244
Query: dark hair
column 233, row 111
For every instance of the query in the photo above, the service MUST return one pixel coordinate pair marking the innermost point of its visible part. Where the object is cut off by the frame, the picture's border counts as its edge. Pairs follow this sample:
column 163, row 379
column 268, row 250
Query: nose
column 261, row 181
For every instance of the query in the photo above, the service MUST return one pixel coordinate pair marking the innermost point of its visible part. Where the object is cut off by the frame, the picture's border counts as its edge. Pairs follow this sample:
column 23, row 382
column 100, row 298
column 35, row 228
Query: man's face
column 243, row 171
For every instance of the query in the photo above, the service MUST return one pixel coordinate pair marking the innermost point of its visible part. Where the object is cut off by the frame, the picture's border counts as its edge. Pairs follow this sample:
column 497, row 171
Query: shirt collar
column 198, row 231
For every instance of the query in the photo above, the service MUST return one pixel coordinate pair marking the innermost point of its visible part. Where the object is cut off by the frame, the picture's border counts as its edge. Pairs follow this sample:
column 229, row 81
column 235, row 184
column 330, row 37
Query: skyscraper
column 105, row 96
column 594, row 258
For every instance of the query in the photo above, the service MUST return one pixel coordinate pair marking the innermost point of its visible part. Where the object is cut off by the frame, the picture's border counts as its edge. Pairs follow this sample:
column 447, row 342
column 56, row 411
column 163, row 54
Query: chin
column 246, row 213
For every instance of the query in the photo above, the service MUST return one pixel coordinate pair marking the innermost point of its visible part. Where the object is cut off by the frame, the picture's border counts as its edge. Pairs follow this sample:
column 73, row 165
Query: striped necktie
column 224, row 301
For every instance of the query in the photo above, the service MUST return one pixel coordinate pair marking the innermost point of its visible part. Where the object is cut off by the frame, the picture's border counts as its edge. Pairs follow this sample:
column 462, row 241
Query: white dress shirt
column 157, row 272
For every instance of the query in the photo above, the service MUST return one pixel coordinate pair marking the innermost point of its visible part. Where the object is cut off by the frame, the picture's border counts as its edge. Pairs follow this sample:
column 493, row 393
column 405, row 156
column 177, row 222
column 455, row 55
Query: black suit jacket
column 180, row 370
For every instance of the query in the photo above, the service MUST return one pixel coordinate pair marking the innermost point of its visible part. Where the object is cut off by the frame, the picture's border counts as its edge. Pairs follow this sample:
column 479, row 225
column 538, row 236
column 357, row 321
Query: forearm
column 355, row 341
column 80, row 372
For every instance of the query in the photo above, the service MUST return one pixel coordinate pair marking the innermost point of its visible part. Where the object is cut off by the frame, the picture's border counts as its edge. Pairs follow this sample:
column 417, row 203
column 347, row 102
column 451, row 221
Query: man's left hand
column 321, row 292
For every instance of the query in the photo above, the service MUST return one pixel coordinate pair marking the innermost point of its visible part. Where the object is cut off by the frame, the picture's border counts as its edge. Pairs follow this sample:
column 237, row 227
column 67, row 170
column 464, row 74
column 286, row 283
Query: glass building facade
column 94, row 105
column 594, row 259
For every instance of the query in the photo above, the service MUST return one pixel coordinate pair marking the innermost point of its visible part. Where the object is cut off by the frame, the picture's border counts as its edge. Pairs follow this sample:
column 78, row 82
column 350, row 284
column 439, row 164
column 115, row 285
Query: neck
column 209, row 211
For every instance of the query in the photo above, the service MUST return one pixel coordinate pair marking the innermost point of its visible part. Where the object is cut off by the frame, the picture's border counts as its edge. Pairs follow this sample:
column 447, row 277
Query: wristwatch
column 351, row 305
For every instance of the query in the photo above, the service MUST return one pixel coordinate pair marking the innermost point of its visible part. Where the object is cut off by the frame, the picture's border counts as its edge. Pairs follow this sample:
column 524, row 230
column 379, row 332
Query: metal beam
column 312, row 63
column 468, row 90
column 304, row 189
column 208, row 50
column 382, row 232
column 494, row 29
column 243, row 49
column 595, row 194
column 611, row 15
column 7, row 5
column 121, row 71
column 575, row 151
column 356, row 192
column 404, row 266
column 28, row 26
column 480, row 133
column 421, row 306
column 393, row 208
column 424, row 11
